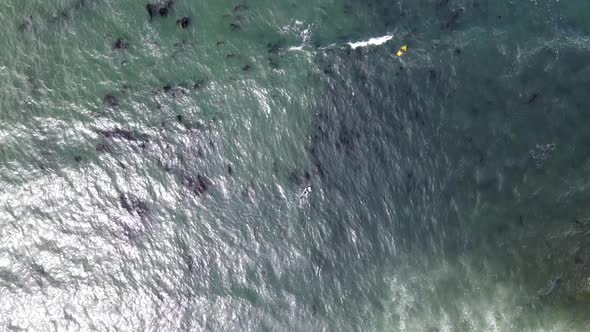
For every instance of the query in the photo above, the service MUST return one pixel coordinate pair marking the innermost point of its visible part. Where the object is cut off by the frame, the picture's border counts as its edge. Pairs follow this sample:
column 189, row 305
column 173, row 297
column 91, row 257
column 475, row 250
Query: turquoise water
column 254, row 172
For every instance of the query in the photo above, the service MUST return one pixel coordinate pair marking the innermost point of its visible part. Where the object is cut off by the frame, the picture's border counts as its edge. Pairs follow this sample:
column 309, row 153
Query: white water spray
column 372, row 42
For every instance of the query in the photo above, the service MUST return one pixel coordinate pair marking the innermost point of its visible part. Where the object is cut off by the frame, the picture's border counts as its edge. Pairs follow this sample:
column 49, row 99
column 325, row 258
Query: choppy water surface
column 273, row 166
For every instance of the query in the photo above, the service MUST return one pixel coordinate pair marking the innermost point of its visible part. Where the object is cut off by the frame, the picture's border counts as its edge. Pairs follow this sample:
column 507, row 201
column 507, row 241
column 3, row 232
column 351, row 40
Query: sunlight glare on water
column 273, row 165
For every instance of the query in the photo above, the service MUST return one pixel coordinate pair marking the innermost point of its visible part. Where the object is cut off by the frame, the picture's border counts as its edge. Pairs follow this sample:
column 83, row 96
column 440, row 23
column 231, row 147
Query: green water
column 253, row 172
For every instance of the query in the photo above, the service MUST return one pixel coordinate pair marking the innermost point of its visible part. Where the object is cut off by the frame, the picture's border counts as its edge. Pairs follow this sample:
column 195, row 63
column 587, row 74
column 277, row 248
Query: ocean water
column 274, row 166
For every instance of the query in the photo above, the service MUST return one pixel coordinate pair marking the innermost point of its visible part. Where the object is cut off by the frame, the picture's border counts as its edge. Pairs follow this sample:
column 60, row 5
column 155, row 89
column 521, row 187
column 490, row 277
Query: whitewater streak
column 371, row 42
column 376, row 41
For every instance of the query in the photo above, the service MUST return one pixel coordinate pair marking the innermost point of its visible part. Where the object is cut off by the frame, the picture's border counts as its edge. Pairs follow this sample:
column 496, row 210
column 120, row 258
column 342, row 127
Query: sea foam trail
column 372, row 42
column 304, row 33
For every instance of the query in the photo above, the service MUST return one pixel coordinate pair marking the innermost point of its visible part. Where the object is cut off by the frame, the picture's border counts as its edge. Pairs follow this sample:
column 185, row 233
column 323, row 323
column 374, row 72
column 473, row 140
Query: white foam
column 304, row 33
column 372, row 42
column 303, row 196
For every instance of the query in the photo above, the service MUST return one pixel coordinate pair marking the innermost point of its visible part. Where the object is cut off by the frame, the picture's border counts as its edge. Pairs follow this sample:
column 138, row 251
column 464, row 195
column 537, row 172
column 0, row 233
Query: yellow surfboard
column 402, row 50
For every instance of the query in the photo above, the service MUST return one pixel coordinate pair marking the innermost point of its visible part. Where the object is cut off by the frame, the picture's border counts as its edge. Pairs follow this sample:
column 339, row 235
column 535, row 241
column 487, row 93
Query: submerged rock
column 199, row 84
column 452, row 22
column 123, row 134
column 120, row 44
column 184, row 22
column 273, row 63
column 532, row 98
column 198, row 186
column 151, row 9
column 110, row 100
column 26, row 24
column 103, row 147
column 133, row 205
column 274, row 48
